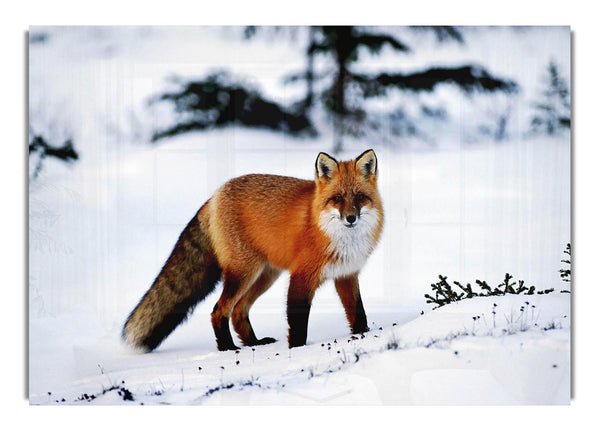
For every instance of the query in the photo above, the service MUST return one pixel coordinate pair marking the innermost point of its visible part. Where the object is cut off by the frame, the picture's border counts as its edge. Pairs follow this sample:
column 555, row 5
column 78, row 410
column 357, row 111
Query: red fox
column 253, row 228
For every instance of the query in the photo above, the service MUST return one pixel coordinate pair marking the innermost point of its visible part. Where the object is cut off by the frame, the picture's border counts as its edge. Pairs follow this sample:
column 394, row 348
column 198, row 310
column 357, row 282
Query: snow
column 100, row 230
column 442, row 357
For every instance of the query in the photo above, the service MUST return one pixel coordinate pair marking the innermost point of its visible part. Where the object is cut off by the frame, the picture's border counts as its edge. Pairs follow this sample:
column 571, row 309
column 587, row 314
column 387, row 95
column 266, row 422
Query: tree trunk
column 310, row 77
column 339, row 103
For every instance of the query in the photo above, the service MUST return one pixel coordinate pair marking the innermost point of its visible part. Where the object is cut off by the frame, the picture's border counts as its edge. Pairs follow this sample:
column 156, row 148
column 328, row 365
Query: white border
column 578, row 14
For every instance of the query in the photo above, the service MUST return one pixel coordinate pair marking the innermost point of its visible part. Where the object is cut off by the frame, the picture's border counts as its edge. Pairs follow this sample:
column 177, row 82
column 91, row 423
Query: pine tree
column 342, row 45
column 217, row 101
column 565, row 273
column 38, row 145
column 220, row 101
column 553, row 111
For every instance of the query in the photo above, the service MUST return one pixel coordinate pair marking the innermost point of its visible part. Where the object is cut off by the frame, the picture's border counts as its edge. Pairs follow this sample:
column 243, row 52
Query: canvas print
column 315, row 215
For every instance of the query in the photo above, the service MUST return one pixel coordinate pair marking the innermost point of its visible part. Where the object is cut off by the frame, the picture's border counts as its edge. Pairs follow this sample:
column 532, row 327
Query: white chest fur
column 350, row 247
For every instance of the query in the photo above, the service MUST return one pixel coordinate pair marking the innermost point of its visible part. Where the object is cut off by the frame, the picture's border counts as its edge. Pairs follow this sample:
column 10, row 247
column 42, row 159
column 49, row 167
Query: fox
column 252, row 229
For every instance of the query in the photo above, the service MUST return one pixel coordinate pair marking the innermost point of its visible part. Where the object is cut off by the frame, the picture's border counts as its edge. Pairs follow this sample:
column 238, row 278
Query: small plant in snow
column 121, row 390
column 446, row 293
column 565, row 273
column 393, row 343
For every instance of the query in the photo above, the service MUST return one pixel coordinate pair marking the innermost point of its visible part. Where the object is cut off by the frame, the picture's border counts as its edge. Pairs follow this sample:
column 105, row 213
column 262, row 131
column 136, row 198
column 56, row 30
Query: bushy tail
column 189, row 275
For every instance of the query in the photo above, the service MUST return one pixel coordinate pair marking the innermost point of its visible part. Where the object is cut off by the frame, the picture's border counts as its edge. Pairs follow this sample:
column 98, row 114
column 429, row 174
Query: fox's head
column 347, row 200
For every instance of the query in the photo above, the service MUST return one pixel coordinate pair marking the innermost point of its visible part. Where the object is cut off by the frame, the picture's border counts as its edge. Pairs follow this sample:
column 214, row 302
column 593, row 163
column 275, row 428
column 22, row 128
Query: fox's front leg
column 300, row 294
column 349, row 293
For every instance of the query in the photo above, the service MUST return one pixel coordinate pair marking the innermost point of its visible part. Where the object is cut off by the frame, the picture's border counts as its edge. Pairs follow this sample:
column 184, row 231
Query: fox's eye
column 360, row 197
column 337, row 199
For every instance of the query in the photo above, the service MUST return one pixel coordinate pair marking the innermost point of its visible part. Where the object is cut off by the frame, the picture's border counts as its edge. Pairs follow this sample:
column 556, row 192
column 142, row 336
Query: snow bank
column 457, row 354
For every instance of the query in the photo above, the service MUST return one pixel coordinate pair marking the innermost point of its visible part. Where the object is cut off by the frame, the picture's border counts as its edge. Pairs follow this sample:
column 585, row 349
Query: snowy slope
column 458, row 354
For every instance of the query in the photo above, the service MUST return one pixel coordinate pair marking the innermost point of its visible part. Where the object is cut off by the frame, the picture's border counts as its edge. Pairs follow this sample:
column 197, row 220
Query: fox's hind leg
column 235, row 285
column 239, row 317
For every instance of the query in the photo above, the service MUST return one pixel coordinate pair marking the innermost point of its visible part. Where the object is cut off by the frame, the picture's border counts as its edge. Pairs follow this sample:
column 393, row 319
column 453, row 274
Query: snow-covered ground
column 100, row 230
column 458, row 354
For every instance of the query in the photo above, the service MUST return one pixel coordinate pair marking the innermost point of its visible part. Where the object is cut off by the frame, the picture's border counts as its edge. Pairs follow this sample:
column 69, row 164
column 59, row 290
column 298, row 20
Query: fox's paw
column 360, row 329
column 261, row 342
column 227, row 346
column 265, row 340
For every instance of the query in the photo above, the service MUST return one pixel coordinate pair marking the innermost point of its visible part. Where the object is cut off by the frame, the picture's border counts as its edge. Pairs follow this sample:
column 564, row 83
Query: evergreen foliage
column 342, row 45
column 218, row 101
column 446, row 293
column 39, row 145
column 565, row 273
column 553, row 111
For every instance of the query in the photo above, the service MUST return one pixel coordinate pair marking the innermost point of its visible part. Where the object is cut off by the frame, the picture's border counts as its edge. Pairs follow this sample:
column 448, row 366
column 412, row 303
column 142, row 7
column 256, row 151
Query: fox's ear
column 325, row 165
column 366, row 163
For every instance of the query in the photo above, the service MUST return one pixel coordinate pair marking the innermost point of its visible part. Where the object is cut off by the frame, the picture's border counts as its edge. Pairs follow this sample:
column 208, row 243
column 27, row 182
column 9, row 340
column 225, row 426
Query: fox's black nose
column 351, row 218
